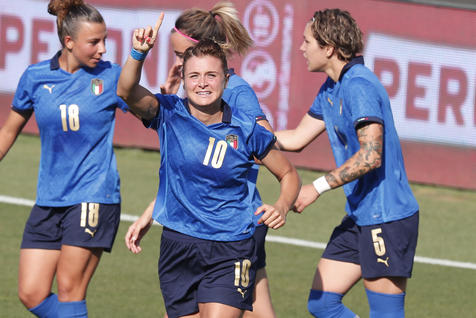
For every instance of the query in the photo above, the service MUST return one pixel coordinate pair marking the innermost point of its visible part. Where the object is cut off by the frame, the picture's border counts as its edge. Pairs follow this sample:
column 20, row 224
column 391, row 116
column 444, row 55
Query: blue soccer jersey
column 382, row 195
column 241, row 97
column 75, row 115
column 204, row 170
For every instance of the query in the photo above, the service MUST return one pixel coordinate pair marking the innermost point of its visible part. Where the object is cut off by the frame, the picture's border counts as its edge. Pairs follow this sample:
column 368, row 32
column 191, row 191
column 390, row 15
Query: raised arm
column 11, row 129
column 274, row 216
column 298, row 138
column 140, row 100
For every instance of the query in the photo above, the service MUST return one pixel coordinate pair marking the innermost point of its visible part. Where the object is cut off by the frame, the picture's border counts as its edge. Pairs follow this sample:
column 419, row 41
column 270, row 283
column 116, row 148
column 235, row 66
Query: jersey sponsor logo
column 232, row 140
column 49, row 88
column 384, row 261
column 330, row 101
column 97, row 86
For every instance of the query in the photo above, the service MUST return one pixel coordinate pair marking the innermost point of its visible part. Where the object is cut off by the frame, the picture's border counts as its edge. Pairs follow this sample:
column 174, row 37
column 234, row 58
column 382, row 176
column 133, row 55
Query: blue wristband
column 139, row 56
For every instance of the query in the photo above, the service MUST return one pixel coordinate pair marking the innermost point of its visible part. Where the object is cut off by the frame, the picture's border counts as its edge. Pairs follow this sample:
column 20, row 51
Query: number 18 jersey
column 75, row 114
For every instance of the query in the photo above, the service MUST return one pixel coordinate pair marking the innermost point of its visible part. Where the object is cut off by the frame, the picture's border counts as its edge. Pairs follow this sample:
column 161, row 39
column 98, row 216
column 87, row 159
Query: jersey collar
column 226, row 118
column 356, row 60
column 54, row 64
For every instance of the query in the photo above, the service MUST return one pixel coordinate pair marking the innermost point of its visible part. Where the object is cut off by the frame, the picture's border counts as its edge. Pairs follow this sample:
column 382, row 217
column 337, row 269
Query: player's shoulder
column 40, row 67
column 171, row 102
column 237, row 82
column 242, row 119
column 107, row 67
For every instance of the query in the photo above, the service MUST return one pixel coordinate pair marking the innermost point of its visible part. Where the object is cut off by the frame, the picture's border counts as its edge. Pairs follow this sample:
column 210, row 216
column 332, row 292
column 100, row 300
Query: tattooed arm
column 368, row 157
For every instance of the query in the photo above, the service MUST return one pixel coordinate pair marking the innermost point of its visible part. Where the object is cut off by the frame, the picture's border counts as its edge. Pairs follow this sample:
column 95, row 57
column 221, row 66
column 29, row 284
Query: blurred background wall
column 424, row 52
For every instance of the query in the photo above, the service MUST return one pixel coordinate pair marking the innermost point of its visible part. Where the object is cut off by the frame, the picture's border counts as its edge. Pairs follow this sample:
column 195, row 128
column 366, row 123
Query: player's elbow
column 122, row 93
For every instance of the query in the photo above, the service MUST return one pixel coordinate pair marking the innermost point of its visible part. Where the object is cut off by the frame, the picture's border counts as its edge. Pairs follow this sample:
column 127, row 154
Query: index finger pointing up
column 157, row 25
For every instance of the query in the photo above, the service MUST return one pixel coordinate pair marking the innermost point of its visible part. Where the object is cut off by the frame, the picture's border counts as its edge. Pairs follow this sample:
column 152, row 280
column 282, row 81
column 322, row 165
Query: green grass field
column 126, row 285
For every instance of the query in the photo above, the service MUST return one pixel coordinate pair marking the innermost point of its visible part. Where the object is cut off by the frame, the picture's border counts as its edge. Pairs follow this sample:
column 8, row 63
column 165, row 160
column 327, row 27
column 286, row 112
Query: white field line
column 272, row 238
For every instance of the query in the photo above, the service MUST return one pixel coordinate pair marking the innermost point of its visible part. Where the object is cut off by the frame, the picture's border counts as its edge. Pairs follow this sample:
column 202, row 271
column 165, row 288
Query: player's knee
column 31, row 297
column 69, row 289
column 386, row 305
column 328, row 305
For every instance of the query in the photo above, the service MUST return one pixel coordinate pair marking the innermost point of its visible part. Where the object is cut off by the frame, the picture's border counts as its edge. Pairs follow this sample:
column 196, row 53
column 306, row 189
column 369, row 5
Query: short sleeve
column 316, row 108
column 22, row 100
column 244, row 99
column 365, row 102
column 168, row 104
column 261, row 141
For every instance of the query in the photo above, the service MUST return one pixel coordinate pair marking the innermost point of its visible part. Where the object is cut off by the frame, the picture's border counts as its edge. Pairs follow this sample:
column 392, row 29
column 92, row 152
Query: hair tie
column 186, row 36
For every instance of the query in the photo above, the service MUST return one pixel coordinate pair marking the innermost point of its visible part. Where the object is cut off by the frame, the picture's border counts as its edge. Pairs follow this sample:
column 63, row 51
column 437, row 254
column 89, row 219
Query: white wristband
column 321, row 185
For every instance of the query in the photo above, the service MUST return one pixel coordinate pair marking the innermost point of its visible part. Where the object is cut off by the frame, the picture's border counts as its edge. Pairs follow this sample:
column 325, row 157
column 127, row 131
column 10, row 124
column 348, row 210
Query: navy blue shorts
column 381, row 250
column 90, row 225
column 260, row 237
column 193, row 270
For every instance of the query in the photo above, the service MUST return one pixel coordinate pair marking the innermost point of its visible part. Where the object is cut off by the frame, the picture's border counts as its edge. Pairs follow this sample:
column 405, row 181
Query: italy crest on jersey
column 97, row 86
column 232, row 140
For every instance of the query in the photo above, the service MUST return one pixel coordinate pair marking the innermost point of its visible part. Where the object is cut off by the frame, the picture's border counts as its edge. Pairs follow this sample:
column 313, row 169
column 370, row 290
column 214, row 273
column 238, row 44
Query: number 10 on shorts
column 242, row 273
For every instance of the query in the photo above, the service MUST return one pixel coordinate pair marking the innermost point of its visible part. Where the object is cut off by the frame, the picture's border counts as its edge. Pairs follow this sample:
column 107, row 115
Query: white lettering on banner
column 259, row 70
column 432, row 88
column 268, row 113
column 28, row 35
column 285, row 74
column 261, row 19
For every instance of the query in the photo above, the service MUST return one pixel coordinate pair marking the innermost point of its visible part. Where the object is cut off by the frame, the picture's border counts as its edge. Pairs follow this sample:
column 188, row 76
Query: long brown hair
column 220, row 24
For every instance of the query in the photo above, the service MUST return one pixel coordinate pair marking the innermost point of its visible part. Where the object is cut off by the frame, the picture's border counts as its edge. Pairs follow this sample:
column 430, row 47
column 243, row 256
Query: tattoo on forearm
column 331, row 179
column 366, row 159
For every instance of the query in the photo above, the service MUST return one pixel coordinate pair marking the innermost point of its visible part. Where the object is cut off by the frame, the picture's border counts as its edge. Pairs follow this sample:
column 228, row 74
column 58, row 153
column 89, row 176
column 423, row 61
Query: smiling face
column 315, row 55
column 89, row 43
column 204, row 81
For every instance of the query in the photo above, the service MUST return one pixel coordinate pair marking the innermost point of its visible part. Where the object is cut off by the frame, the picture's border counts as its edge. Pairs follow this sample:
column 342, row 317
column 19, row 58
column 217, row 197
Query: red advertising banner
column 425, row 56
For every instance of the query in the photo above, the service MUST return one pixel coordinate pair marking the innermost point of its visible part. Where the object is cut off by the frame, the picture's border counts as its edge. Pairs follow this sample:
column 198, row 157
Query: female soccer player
column 222, row 24
column 77, row 208
column 376, row 241
column 207, row 257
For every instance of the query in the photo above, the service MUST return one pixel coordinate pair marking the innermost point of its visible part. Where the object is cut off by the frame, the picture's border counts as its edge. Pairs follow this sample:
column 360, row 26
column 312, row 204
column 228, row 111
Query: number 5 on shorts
column 379, row 244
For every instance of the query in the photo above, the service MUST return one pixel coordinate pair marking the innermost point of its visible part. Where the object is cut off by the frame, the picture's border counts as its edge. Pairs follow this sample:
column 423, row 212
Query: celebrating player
column 222, row 24
column 207, row 259
column 377, row 238
column 77, row 208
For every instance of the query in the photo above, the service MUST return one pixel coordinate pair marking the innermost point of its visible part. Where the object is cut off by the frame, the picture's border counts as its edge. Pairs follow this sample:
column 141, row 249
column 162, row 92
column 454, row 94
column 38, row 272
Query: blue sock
column 47, row 308
column 328, row 305
column 75, row 309
column 386, row 305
